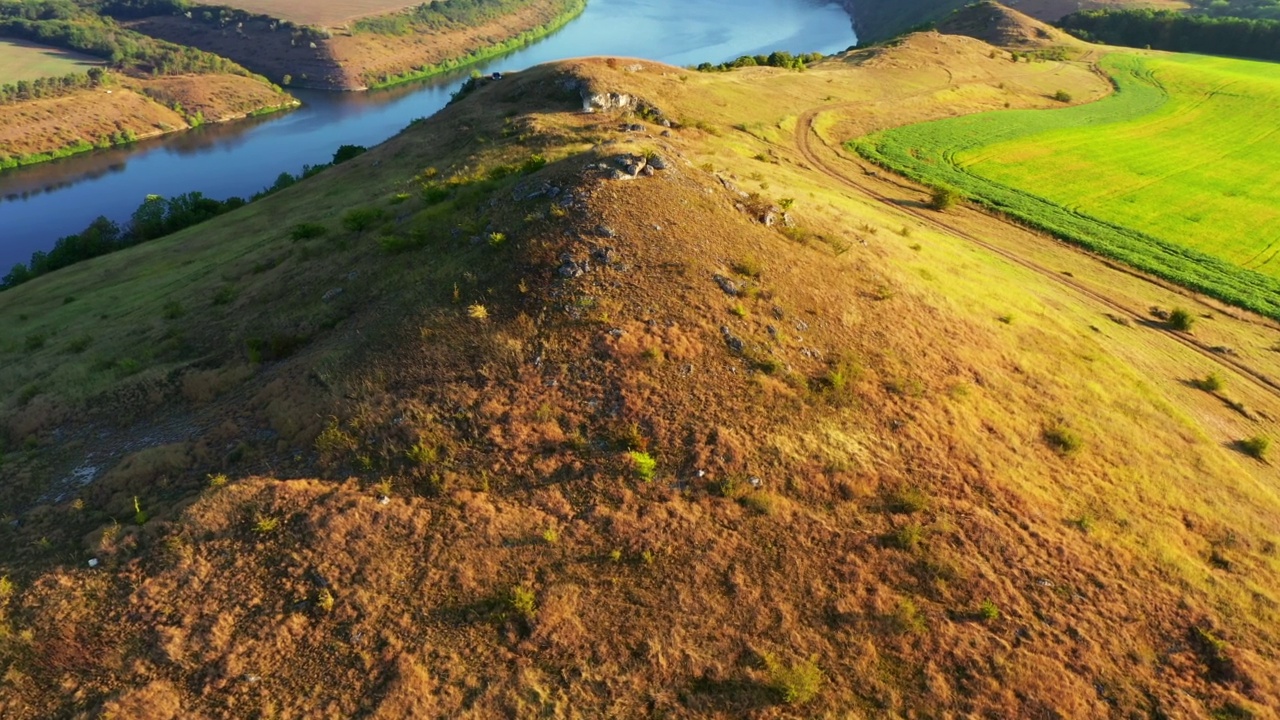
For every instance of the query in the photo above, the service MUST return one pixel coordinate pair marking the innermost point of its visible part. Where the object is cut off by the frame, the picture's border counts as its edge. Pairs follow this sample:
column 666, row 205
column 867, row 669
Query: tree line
column 778, row 59
column 156, row 217
column 80, row 27
column 50, row 87
column 1255, row 9
column 1172, row 30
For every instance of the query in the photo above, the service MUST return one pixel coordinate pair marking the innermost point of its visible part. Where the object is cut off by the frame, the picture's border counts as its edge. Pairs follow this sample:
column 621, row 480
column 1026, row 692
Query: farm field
column 21, row 60
column 1175, row 183
column 322, row 14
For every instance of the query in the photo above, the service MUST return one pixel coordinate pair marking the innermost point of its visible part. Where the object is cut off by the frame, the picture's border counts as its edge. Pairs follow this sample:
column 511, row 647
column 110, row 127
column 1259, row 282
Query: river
column 41, row 203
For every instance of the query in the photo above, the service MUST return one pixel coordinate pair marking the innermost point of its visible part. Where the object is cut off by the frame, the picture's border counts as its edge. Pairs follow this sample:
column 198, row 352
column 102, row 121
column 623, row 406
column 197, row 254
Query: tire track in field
column 805, row 132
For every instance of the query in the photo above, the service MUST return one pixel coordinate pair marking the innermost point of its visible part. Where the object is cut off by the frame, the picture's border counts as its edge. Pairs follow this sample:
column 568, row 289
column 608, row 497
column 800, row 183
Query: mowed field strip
column 327, row 13
column 22, row 60
column 1174, row 174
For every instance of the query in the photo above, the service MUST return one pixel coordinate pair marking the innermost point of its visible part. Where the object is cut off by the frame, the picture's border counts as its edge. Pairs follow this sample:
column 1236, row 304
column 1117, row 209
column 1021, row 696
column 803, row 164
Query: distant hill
column 877, row 20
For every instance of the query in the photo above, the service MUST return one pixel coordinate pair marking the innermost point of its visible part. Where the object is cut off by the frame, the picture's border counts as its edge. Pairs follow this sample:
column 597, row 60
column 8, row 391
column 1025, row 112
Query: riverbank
column 348, row 58
column 572, row 10
column 127, row 110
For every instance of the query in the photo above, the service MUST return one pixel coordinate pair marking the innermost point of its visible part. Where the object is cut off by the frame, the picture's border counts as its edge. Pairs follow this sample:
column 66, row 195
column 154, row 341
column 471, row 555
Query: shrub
column 33, row 342
column 173, row 310
column 307, row 231
column 1063, row 439
column 422, row 454
column 1256, row 446
column 907, row 537
column 749, row 266
column 1181, row 320
column 907, row 617
column 1212, row 382
column 988, row 611
column 523, row 602
column 1062, row 96
column 361, row 219
column 908, row 499
column 478, row 312
column 943, row 198
column 795, row 684
column 264, row 524
column 645, row 465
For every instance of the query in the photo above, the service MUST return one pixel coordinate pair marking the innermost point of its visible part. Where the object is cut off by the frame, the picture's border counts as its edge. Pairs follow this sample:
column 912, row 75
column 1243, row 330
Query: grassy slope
column 893, row 504
column 21, row 60
column 1195, row 172
column 930, row 153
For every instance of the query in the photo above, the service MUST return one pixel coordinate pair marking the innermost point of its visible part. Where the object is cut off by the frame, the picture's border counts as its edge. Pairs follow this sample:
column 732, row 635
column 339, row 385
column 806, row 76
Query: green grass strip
column 927, row 153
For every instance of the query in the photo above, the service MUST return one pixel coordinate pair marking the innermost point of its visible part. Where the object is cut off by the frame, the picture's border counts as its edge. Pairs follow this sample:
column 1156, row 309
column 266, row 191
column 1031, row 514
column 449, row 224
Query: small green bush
column 907, row 499
column 33, row 342
column 422, row 454
column 943, row 198
column 523, row 601
column 1212, row 382
column 645, row 466
column 907, row 537
column 795, row 684
column 361, row 219
column 988, row 611
column 1256, row 446
column 1062, row 96
column 1181, row 320
column 1063, row 439
column 307, row 231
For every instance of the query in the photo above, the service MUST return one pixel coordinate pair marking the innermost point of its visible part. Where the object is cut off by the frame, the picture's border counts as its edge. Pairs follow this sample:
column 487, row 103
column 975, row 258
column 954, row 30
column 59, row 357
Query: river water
column 41, row 203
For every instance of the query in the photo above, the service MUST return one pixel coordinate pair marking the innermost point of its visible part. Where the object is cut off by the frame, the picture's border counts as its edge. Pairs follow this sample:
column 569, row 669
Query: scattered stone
column 773, row 332
column 383, row 500
column 605, row 231
column 617, row 332
column 93, row 562
column 647, row 171
column 657, row 163
column 353, row 275
column 635, row 127
column 616, row 174
column 604, row 255
column 755, row 481
column 331, row 294
column 569, row 268
column 728, row 286
column 769, row 218
column 666, row 133
column 802, row 326
column 1223, row 350
column 733, row 341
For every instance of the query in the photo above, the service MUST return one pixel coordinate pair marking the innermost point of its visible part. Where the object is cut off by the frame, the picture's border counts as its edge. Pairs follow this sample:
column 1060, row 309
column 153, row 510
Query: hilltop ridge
column 670, row 407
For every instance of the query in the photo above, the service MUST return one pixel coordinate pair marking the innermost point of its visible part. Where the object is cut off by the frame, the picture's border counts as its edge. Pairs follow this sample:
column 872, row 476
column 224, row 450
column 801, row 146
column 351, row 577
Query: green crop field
column 1174, row 174
column 21, row 60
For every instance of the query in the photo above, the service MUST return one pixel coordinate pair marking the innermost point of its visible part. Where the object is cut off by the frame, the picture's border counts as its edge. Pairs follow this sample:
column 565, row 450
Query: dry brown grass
column 143, row 107
column 1135, row 576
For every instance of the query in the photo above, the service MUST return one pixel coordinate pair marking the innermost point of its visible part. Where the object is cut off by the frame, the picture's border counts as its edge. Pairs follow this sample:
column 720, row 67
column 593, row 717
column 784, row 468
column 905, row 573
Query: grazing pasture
column 22, row 60
column 1174, row 174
